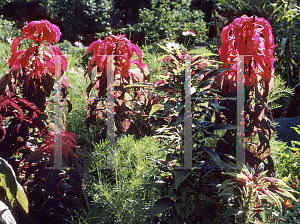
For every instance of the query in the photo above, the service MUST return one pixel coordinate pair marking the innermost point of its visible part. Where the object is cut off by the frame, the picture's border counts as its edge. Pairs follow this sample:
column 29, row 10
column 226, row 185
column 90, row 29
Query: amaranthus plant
column 122, row 50
column 33, row 69
column 256, row 190
column 189, row 195
column 18, row 120
column 252, row 37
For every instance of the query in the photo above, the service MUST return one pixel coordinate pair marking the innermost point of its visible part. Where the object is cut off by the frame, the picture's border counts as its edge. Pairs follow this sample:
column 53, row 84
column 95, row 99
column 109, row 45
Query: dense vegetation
column 156, row 44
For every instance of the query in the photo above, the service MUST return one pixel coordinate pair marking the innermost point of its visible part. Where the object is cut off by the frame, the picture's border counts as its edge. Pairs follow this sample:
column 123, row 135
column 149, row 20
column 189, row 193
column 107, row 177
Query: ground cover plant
column 145, row 186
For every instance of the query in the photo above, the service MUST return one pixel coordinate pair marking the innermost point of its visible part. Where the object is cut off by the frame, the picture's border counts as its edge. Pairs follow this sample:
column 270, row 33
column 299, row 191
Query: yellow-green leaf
column 155, row 108
column 22, row 199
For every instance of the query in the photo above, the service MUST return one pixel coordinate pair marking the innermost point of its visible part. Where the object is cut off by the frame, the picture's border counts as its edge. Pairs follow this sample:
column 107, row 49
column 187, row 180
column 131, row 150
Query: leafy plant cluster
column 284, row 19
column 213, row 190
column 143, row 22
column 166, row 20
column 27, row 134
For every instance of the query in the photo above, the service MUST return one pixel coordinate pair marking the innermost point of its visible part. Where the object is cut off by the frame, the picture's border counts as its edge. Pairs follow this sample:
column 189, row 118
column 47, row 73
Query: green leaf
column 227, row 5
column 8, row 181
column 215, row 73
column 180, row 118
column 231, row 210
column 296, row 129
column 225, row 183
column 178, row 52
column 160, row 206
column 215, row 105
column 286, row 194
column 283, row 145
column 167, row 107
column 224, row 3
column 278, row 8
column 165, row 48
column 289, row 13
column 155, row 108
column 283, row 185
column 205, row 198
column 22, row 199
column 228, row 191
column 204, row 84
column 214, row 155
column 209, row 54
column 180, row 176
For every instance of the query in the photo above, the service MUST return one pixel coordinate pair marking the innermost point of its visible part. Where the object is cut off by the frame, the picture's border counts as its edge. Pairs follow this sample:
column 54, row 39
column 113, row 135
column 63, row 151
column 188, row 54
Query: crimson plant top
column 40, row 31
column 39, row 58
column 123, row 50
column 249, row 36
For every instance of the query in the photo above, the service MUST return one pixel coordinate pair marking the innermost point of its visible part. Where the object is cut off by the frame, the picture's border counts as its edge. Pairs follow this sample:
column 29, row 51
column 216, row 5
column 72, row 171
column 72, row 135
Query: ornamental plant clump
column 23, row 120
column 188, row 195
column 252, row 37
column 33, row 69
column 121, row 49
column 258, row 192
column 18, row 120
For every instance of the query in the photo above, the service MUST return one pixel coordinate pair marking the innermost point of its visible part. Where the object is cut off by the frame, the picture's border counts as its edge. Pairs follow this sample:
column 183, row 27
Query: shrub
column 167, row 20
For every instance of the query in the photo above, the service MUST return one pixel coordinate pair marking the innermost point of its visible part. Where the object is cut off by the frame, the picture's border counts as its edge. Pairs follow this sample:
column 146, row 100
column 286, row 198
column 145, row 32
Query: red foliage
column 68, row 141
column 122, row 49
column 40, row 31
column 251, row 36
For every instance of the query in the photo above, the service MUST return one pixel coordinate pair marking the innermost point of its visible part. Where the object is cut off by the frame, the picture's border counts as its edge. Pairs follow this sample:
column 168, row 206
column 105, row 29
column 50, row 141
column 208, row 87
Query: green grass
column 121, row 195
column 199, row 51
column 4, row 57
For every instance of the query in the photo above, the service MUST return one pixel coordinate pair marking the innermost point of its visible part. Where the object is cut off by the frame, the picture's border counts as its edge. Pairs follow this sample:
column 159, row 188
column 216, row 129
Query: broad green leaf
column 286, row 194
column 160, row 206
column 224, row 3
column 8, row 181
column 180, row 176
column 205, row 198
column 283, row 185
column 215, row 73
column 296, row 142
column 22, row 199
column 222, row 126
column 296, row 129
column 180, row 118
column 214, row 155
column 167, row 107
column 225, row 183
column 155, row 108
column 228, row 191
column 204, row 84
column 215, row 105
column 231, row 210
